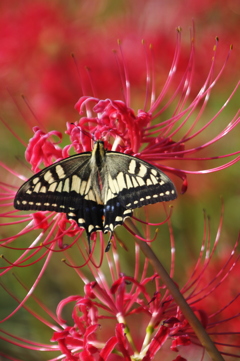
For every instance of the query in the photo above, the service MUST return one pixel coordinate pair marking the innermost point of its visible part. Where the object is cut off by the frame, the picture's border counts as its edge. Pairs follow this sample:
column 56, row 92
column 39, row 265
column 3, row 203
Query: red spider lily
column 132, row 316
column 142, row 133
column 37, row 38
column 166, row 128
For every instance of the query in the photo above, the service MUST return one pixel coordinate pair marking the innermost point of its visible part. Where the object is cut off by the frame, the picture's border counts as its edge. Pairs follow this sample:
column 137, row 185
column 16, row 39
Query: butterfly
column 97, row 189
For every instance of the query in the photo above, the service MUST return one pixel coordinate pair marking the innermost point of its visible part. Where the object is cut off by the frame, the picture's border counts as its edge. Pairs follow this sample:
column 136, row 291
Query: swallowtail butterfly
column 97, row 189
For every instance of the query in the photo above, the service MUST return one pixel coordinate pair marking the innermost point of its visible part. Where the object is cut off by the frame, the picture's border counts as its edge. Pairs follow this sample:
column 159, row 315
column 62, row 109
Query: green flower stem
column 127, row 333
column 196, row 325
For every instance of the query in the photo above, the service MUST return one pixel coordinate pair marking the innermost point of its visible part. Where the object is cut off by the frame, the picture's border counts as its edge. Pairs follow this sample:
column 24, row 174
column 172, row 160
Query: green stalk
column 194, row 322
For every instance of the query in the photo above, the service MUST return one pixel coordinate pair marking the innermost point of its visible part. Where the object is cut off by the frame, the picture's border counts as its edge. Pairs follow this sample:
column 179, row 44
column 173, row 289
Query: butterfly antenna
column 89, row 243
column 85, row 132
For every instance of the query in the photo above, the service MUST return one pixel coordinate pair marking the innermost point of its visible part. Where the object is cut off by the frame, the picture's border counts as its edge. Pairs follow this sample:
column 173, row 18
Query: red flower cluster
column 105, row 320
column 172, row 130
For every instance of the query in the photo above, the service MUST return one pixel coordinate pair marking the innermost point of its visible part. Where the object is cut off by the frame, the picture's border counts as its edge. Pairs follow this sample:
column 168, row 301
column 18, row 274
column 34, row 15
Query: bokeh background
column 40, row 82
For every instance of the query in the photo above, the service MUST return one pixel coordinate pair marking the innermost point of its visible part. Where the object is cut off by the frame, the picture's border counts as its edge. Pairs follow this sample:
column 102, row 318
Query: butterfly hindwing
column 115, row 214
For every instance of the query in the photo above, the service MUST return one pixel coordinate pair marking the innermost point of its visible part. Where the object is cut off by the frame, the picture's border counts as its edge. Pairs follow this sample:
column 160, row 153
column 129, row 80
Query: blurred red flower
column 121, row 316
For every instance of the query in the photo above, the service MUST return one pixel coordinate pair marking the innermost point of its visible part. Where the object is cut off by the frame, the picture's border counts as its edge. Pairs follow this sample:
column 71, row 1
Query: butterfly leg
column 109, row 243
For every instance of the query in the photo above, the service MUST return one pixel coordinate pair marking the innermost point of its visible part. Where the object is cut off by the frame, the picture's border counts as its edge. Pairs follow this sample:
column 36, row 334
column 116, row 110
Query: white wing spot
column 60, row 171
column 153, row 179
column 121, row 181
column 81, row 220
column 43, row 189
column 132, row 166
column 59, row 187
column 154, row 171
column 82, row 188
column 46, row 204
column 88, row 185
column 116, row 186
column 24, row 202
column 38, row 186
column 75, row 183
column 54, row 205
column 155, row 196
column 90, row 228
column 167, row 193
column 38, row 204
column 142, row 170
column 173, row 191
column 148, row 197
column 35, row 180
column 52, row 187
column 128, row 211
column 161, row 194
column 71, row 214
column 48, row 177
column 149, row 183
column 135, row 202
column 140, row 181
column 90, row 196
column 109, row 196
column 162, row 182
column 118, row 219
column 62, row 206
column 129, row 183
column 66, row 187
column 29, row 191
column 135, row 183
column 111, row 227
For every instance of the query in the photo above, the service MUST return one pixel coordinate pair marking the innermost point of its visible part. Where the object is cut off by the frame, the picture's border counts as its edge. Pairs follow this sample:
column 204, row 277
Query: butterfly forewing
column 136, row 183
column 64, row 187
column 55, row 187
column 97, row 189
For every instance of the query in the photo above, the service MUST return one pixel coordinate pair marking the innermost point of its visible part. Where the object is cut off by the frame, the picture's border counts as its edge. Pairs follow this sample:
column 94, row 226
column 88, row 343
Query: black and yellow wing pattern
column 97, row 189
